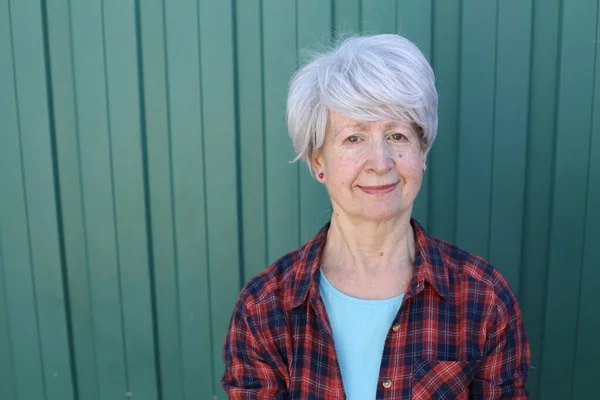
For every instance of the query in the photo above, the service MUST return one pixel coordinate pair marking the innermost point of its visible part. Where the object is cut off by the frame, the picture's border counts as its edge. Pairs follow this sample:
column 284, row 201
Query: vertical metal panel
column 8, row 383
column 279, row 62
column 347, row 17
column 144, row 164
column 443, row 158
column 476, row 132
column 314, row 30
column 18, row 285
column 415, row 21
column 21, row 318
column 539, row 177
column 189, row 195
column 250, row 109
column 220, row 152
column 510, row 137
column 38, row 177
column 586, row 372
column 8, row 158
column 378, row 16
column 158, row 148
column 97, row 193
column 69, row 179
column 128, row 185
column 577, row 59
column 31, row 253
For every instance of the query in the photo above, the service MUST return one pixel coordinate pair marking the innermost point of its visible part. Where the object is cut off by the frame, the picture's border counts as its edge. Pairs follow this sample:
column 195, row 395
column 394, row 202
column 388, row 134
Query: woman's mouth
column 378, row 190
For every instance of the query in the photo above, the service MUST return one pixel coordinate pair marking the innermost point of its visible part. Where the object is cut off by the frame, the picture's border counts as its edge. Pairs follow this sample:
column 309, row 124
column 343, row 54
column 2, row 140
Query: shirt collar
column 429, row 263
column 429, row 266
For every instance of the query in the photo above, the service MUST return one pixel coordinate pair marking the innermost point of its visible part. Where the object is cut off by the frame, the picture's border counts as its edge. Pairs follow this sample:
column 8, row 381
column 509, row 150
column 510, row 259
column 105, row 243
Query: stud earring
column 321, row 175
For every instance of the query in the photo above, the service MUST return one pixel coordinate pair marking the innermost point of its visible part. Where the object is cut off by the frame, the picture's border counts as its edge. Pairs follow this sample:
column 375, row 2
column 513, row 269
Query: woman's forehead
column 338, row 122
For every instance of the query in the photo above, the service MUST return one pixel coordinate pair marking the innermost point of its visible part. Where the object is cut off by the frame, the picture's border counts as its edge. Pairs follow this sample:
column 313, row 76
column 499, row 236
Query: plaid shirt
column 458, row 334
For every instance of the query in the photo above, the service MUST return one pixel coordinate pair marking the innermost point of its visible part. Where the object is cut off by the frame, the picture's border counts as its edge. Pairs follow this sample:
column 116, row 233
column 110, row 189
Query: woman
column 373, row 306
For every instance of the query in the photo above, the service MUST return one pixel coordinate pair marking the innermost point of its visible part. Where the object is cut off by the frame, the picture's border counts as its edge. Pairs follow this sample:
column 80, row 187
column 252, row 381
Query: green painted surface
column 188, row 188
column 160, row 199
column 510, row 136
column 250, row 125
column 145, row 176
column 443, row 158
column 279, row 33
column 478, row 52
column 539, row 177
column 572, row 163
column 19, row 298
column 314, row 27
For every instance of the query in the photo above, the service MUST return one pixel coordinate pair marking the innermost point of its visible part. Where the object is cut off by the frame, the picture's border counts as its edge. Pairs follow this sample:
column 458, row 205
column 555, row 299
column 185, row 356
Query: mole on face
column 399, row 155
column 381, row 254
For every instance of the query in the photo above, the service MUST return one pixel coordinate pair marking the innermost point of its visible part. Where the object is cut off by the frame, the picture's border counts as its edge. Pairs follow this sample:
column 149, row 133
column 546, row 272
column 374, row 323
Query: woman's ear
column 317, row 164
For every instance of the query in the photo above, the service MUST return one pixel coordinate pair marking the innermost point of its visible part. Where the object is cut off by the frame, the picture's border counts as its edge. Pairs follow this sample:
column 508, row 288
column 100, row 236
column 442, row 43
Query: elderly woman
column 373, row 307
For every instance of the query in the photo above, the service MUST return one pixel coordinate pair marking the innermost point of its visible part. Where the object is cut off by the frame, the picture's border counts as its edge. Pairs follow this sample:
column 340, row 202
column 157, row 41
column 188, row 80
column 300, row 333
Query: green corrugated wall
column 144, row 177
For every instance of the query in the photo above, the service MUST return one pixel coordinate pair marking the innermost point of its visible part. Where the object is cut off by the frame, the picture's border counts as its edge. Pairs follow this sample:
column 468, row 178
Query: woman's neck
column 368, row 248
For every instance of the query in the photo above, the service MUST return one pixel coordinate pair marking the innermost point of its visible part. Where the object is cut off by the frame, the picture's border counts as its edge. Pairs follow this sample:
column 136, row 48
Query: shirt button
column 387, row 384
column 396, row 327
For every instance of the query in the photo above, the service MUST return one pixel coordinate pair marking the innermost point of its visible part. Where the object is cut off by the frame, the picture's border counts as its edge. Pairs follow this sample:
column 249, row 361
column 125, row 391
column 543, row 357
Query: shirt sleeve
column 250, row 373
column 503, row 373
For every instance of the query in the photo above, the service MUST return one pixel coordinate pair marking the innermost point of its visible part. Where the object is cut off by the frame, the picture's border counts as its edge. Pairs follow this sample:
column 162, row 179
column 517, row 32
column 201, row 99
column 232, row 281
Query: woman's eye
column 352, row 139
column 398, row 136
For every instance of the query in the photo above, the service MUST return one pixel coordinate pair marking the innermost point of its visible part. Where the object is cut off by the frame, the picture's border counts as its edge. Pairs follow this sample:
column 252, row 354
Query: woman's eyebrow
column 395, row 125
column 362, row 126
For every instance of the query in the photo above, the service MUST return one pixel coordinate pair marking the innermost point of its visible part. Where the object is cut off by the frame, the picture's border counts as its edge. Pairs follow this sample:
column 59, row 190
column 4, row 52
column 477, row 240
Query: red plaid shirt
column 458, row 334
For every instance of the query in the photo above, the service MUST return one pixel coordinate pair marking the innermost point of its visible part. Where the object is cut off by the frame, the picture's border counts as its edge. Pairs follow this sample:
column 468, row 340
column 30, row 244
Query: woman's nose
column 380, row 157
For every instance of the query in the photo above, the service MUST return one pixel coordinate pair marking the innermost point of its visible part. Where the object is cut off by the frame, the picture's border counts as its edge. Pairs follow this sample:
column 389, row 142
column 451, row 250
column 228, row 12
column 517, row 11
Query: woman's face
column 372, row 170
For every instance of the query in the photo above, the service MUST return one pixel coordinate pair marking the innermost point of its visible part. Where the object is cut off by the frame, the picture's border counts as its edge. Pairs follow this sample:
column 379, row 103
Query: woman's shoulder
column 277, row 283
column 473, row 272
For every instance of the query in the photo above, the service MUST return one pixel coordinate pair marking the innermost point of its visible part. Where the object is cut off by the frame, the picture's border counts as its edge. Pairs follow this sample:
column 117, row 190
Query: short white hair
column 363, row 78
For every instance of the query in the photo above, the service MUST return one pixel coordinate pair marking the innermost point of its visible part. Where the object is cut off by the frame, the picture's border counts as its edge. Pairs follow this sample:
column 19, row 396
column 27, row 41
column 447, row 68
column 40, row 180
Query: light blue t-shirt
column 360, row 328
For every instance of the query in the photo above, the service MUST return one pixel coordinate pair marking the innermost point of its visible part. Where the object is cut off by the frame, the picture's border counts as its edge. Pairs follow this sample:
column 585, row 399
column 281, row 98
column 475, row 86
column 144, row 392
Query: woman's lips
column 382, row 189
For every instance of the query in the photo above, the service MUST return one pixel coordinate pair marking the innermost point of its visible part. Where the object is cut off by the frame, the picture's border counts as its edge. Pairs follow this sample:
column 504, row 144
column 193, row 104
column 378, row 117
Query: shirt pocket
column 441, row 380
